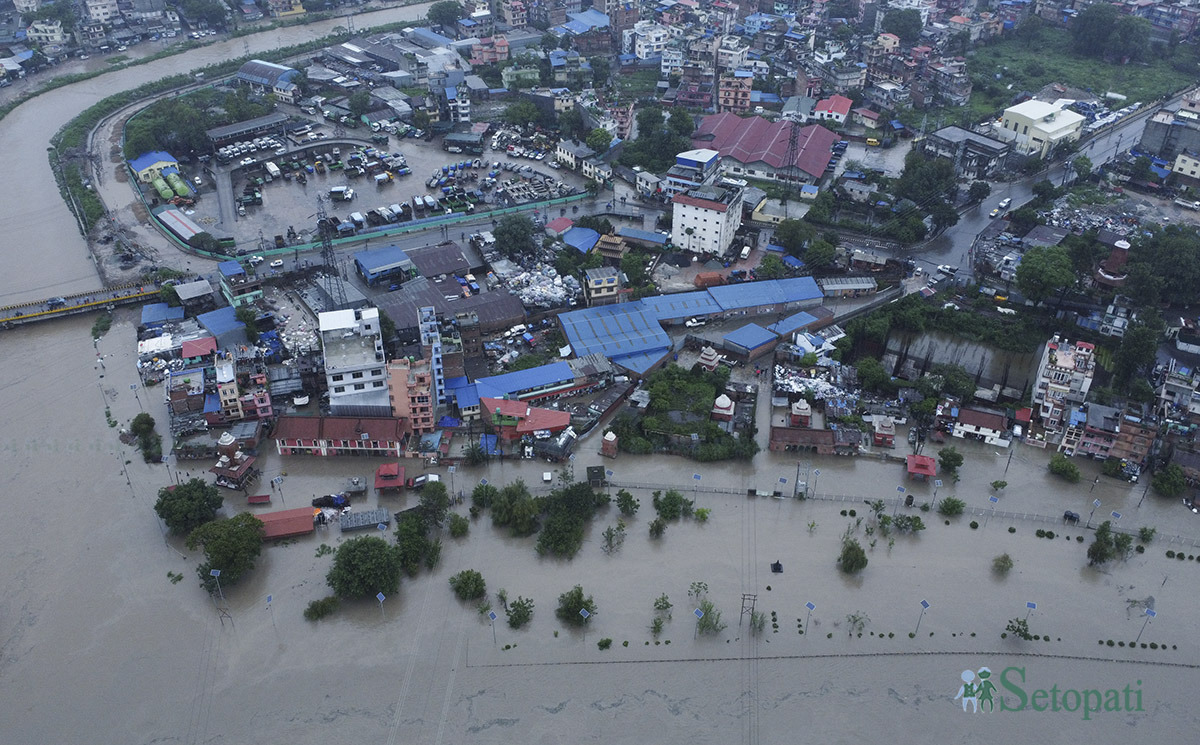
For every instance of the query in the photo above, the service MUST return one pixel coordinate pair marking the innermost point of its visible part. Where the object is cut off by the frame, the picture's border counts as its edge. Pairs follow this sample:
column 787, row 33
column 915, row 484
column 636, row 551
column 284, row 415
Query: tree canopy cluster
column 1102, row 30
column 659, row 139
column 365, row 566
column 185, row 507
column 904, row 23
column 180, row 125
column 558, row 518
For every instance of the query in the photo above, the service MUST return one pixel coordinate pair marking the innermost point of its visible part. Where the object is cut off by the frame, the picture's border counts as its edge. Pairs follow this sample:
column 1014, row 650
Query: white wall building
column 355, row 368
column 645, row 40
column 1036, row 127
column 705, row 219
column 102, row 11
column 1064, row 377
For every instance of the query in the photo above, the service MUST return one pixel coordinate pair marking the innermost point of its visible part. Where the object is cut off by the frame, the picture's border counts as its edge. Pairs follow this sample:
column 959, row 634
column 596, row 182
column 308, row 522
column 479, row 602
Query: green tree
column 170, row 296
column 658, row 526
column 483, row 495
column 709, row 621
column 571, row 602
column 627, row 503
column 871, row 375
column 1102, row 30
column 853, row 559
column 1170, row 481
column 519, row 611
column 794, row 236
column 998, row 485
column 1044, row 192
column 771, row 267
column 1103, row 548
column 951, row 506
column 979, row 191
column 601, row 69
column 1060, row 465
column 1019, row 628
column 522, row 114
column 950, row 459
column 459, row 525
column 819, row 254
column 514, row 236
column 468, row 585
column 1136, row 353
column 363, row 567
column 1044, row 271
column 231, row 546
column 943, row 215
column 359, row 103
column 474, row 454
column 906, row 24
column 1082, row 165
column 599, row 140
column 249, row 318
column 142, row 424
column 681, row 122
column 435, row 503
column 671, row 505
column 444, row 13
column 1002, row 564
column 571, row 126
column 187, row 506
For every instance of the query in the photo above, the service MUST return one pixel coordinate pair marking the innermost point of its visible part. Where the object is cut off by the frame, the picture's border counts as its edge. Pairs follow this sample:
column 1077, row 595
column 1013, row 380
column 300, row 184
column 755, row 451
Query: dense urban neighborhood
column 772, row 272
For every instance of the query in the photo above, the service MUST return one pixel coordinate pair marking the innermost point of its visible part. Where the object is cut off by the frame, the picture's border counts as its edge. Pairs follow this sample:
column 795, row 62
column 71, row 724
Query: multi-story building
column 1036, row 127
column 645, row 40
column 732, row 52
column 673, row 57
column 355, row 368
column 102, row 11
column 1135, row 439
column 572, row 154
column 974, row 156
column 46, row 32
column 1091, row 430
column 513, row 13
column 733, row 92
column 410, row 392
column 431, row 346
column 457, row 104
column 489, row 50
column 602, row 286
column 238, row 287
column 950, row 82
column 704, row 220
column 1177, row 397
column 692, row 169
column 1064, row 377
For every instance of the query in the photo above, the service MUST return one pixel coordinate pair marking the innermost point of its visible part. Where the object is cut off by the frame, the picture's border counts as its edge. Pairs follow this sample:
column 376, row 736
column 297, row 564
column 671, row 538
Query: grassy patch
column 1046, row 57
column 640, row 83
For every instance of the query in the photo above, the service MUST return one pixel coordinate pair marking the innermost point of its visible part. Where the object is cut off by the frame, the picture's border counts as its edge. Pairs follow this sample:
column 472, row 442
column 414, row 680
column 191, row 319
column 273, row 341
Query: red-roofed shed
column 198, row 347
column 287, row 523
column 921, row 467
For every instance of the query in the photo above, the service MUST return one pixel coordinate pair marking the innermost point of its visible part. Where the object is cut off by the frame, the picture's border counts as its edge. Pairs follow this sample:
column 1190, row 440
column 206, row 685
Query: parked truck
column 273, row 170
column 341, row 193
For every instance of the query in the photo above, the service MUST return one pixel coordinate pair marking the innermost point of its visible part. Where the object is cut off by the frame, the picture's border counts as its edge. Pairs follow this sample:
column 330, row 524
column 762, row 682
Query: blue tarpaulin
column 490, row 444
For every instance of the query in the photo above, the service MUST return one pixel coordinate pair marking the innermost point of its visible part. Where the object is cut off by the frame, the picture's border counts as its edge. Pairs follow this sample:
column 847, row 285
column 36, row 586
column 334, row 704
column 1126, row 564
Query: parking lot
column 289, row 205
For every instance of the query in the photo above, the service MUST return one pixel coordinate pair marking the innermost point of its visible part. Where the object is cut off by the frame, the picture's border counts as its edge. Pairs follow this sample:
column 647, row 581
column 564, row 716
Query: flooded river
column 97, row 644
column 44, row 255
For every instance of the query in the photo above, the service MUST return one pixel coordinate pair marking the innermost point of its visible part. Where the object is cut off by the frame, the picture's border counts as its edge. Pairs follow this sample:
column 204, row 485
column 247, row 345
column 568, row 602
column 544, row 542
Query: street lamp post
column 924, row 607
column 1095, row 504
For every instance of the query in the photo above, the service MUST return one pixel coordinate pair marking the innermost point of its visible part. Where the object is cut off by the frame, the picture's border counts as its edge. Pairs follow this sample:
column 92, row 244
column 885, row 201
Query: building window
column 339, row 389
column 377, row 384
column 337, row 377
column 357, row 375
column 360, row 386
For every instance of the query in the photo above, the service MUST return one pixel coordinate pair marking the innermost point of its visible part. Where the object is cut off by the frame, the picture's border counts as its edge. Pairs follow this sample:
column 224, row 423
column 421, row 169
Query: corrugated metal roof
column 750, row 336
column 498, row 386
column 751, row 294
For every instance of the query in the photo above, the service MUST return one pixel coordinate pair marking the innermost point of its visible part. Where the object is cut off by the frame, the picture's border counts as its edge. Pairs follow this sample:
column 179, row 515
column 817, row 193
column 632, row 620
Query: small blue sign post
column 381, row 597
column 1095, row 504
column 899, row 490
column 1115, row 515
column 816, row 475
column 810, row 607
column 924, row 607
column 272, row 612
column 1150, row 613
column 216, row 575
column 699, row 614
column 1031, row 606
column 492, row 617
column 993, row 499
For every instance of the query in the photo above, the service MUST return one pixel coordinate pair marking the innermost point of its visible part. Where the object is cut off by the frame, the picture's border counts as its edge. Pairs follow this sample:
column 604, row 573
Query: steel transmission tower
column 333, row 280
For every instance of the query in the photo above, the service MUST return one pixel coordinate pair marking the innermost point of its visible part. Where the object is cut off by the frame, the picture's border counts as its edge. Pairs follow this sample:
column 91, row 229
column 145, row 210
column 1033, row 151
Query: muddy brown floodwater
column 98, row 645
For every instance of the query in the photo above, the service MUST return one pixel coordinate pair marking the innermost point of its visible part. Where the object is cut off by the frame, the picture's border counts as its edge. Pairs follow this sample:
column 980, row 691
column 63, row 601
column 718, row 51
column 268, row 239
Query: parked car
column 277, row 263
column 694, row 322
column 994, row 213
column 1005, row 202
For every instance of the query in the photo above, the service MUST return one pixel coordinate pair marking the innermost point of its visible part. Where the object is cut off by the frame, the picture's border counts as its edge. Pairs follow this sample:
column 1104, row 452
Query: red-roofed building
column 921, row 467
column 514, row 419
column 389, row 476
column 559, row 225
column 835, row 108
column 195, row 350
column 982, row 425
column 753, row 146
column 341, row 435
column 287, row 523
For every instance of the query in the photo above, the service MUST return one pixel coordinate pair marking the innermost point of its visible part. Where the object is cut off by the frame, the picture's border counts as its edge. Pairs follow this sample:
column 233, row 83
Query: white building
column 672, row 60
column 1064, row 377
column 355, row 368
column 705, row 219
column 1036, row 127
column 102, row 11
column 46, row 32
column 31, row 6
column 645, row 40
column 732, row 53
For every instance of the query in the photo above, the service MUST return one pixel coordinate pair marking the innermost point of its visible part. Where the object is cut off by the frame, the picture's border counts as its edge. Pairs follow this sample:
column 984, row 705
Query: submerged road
column 44, row 255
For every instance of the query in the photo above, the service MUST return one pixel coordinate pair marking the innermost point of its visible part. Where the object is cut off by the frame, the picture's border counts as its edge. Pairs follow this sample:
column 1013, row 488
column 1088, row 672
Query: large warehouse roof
column 499, row 386
column 382, row 259
column 615, row 331
column 754, row 139
column 751, row 294
column 751, row 336
column 680, row 305
column 179, row 223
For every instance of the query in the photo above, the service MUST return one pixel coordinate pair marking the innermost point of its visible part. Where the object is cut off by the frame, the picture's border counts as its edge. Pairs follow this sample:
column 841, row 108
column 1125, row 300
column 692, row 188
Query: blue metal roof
column 680, row 305
column 642, row 362
column 231, row 269
column 212, row 403
column 616, row 331
column 381, row 258
column 646, row 236
column 750, row 294
column 583, row 239
column 499, row 386
column 153, row 313
column 451, row 93
column 792, row 323
column 467, row 396
column 145, row 160
column 750, row 336
column 220, row 321
column 792, row 261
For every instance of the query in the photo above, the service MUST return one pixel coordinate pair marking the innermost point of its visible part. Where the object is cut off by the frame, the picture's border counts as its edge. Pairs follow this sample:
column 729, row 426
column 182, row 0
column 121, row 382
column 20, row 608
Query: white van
column 745, row 252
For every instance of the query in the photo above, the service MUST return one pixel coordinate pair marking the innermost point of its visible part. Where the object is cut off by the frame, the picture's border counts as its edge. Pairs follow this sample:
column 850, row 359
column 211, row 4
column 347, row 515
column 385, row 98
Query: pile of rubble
column 543, row 287
column 791, row 381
